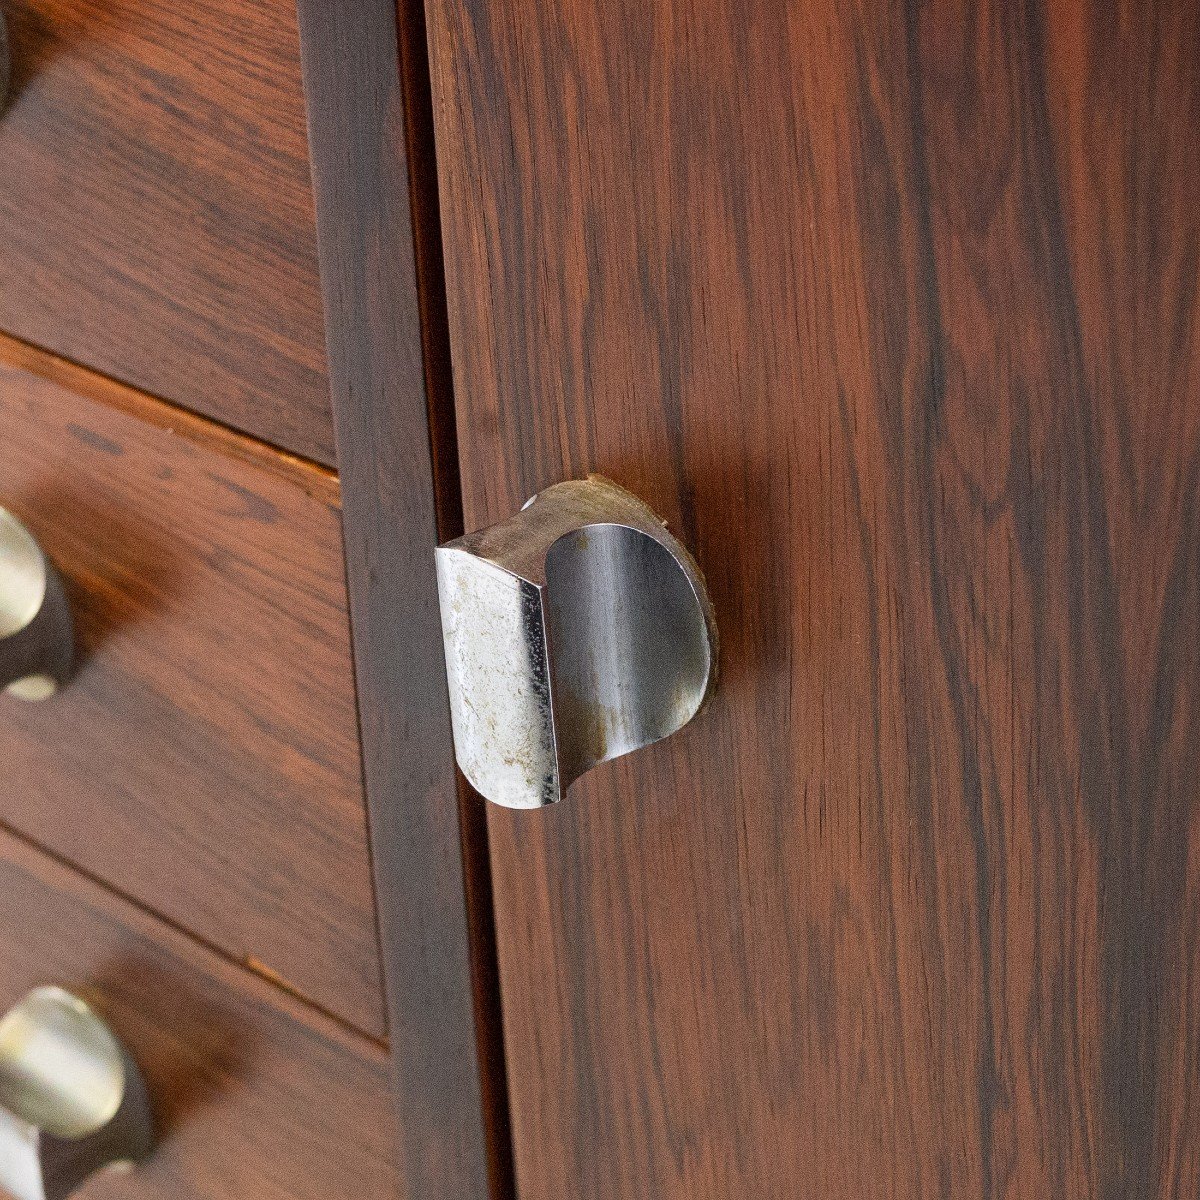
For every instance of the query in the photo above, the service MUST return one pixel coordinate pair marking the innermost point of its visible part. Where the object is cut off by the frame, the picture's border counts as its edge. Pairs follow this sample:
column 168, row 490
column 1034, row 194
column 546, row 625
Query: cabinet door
column 891, row 310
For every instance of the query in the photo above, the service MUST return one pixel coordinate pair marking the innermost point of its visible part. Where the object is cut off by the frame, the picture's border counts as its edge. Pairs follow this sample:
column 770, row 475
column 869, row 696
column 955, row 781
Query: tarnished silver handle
column 37, row 642
column 72, row 1101
column 577, row 631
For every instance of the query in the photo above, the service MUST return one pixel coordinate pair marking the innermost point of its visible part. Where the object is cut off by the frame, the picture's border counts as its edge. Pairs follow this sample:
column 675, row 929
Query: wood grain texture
column 255, row 1096
column 156, row 213
column 892, row 310
column 205, row 759
column 386, row 338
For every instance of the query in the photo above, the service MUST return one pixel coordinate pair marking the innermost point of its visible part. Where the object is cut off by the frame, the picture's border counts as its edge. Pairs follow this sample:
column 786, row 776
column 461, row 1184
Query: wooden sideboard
column 891, row 312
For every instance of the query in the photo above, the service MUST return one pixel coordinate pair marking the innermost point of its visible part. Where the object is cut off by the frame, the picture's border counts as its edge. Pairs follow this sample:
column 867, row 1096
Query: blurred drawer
column 156, row 213
column 205, row 760
column 254, row 1095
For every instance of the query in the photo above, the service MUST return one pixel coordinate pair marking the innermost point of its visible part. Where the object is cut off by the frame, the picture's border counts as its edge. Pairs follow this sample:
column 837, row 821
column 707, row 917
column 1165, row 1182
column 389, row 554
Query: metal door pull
column 71, row 1099
column 37, row 643
column 577, row 631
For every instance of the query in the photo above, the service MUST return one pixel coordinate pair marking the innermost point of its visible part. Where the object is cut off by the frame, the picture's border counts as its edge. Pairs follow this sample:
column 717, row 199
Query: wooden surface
column 389, row 381
column 205, row 759
column 255, row 1096
column 891, row 310
column 156, row 215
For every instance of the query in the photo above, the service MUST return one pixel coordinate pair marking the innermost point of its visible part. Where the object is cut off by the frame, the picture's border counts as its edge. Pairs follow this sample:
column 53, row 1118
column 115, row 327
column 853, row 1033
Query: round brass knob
column 37, row 643
column 72, row 1101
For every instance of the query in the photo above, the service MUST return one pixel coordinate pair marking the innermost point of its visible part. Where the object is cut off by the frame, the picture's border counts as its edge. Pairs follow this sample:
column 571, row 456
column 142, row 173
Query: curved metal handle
column 577, row 631
column 72, row 1101
column 37, row 641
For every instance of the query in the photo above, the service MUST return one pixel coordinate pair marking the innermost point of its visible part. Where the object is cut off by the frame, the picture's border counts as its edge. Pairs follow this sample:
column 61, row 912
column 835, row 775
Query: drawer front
column 205, row 759
column 156, row 216
column 254, row 1095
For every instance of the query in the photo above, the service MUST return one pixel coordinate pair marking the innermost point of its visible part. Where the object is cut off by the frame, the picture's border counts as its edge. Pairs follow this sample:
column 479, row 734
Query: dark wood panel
column 205, row 760
column 254, row 1095
column 364, row 78
column 891, row 310
column 156, row 214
